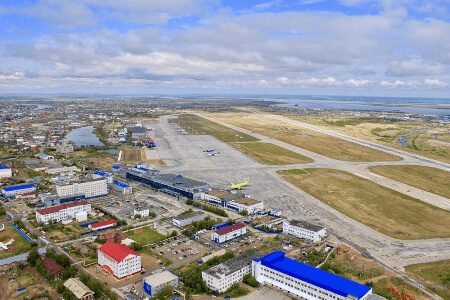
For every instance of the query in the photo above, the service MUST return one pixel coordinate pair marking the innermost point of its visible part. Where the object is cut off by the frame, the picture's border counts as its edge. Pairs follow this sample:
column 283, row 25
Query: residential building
column 103, row 175
column 118, row 260
column 228, row 233
column 5, row 171
column 221, row 277
column 79, row 289
column 78, row 210
column 64, row 146
column 304, row 230
column 103, row 225
column 156, row 282
column 19, row 189
column 93, row 188
column 305, row 282
column 142, row 212
column 122, row 187
column 188, row 218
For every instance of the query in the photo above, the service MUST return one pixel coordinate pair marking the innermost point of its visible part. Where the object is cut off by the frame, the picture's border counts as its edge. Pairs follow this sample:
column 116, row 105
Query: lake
column 84, row 136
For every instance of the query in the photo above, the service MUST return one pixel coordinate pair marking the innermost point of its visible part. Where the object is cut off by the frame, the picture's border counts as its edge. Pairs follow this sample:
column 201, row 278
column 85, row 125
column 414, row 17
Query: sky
column 341, row 47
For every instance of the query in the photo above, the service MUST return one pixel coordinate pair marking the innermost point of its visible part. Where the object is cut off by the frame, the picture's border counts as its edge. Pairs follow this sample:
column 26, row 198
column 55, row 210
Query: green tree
column 33, row 256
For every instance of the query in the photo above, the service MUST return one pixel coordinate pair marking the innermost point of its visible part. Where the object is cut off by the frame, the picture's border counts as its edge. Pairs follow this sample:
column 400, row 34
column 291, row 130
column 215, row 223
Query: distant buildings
column 78, row 210
column 13, row 191
column 5, row 171
column 228, row 233
column 304, row 230
column 156, row 282
column 138, row 131
column 118, row 260
column 79, row 289
column 103, row 175
column 93, row 188
column 221, row 277
column 303, row 281
column 188, row 218
column 64, row 147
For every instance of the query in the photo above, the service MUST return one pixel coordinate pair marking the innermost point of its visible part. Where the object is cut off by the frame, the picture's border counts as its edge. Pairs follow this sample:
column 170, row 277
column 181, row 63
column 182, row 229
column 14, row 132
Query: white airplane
column 4, row 246
column 214, row 153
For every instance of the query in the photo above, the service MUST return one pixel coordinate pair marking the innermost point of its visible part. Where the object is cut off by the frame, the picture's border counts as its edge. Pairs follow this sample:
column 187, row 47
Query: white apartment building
column 5, row 171
column 78, row 210
column 118, row 260
column 304, row 230
column 141, row 211
column 62, row 170
column 90, row 189
column 228, row 233
column 188, row 218
column 305, row 282
column 221, row 277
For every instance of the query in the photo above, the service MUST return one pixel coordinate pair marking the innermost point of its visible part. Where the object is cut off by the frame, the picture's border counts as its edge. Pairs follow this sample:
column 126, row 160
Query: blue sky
column 342, row 47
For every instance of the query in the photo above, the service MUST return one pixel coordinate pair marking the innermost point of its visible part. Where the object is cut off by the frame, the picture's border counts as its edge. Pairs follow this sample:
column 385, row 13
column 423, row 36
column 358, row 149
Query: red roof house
column 103, row 224
column 116, row 251
column 230, row 228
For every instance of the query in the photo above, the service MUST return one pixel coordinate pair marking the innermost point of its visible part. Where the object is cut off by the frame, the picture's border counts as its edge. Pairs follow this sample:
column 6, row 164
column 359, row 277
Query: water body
column 84, row 136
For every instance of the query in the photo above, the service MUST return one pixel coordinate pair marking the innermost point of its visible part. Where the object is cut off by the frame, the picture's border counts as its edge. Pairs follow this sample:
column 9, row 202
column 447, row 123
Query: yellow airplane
column 239, row 185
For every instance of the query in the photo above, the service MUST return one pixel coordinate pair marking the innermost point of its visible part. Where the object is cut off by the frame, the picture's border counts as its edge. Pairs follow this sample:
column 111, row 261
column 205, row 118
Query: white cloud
column 357, row 82
column 400, row 84
column 434, row 82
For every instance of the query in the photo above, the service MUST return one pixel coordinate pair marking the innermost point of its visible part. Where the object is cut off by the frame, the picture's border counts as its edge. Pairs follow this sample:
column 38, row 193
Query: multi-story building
column 228, row 233
column 221, row 277
column 74, row 210
column 122, row 187
column 118, row 260
column 64, row 146
column 156, row 282
column 304, row 230
column 90, row 189
column 247, row 204
column 62, row 170
column 236, row 201
column 103, row 175
column 188, row 218
column 305, row 282
column 5, row 171
column 19, row 189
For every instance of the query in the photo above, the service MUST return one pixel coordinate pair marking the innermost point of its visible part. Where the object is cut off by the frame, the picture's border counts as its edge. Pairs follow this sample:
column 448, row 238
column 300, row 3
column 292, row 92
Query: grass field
column 435, row 275
column 270, row 154
column 145, row 235
column 308, row 139
column 20, row 245
column 198, row 125
column 390, row 212
column 429, row 179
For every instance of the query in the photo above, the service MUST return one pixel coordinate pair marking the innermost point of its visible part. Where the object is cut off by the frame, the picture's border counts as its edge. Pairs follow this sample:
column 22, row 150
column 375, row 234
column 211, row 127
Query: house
column 118, row 260
column 112, row 235
column 79, row 289
column 228, row 233
column 53, row 267
column 103, row 224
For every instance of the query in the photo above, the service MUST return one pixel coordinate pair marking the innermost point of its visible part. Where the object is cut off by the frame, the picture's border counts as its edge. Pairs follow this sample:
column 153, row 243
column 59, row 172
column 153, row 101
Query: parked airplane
column 239, row 185
column 214, row 153
column 209, row 150
column 4, row 246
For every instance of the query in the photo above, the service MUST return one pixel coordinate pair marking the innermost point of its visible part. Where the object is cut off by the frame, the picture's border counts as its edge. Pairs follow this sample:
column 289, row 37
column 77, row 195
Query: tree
column 250, row 280
column 33, row 256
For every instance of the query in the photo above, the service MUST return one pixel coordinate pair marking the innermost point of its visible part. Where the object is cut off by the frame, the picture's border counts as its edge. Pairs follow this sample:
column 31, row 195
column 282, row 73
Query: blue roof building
column 100, row 175
column 13, row 190
column 3, row 167
column 122, row 187
column 305, row 281
column 5, row 171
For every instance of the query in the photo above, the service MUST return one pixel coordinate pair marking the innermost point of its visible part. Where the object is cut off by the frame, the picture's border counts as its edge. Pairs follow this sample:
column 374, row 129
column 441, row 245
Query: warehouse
column 118, row 260
column 122, row 187
column 102, row 225
column 228, row 233
column 173, row 184
column 304, row 230
column 303, row 281
column 5, row 171
column 61, row 170
column 78, row 210
column 156, row 282
column 188, row 218
column 93, row 188
column 221, row 277
column 103, row 175
column 19, row 189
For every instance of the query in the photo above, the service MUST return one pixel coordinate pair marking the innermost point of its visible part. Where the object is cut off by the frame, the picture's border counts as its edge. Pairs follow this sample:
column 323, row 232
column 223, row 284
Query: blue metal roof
column 19, row 187
column 116, row 167
column 3, row 167
column 103, row 174
column 320, row 278
column 121, row 184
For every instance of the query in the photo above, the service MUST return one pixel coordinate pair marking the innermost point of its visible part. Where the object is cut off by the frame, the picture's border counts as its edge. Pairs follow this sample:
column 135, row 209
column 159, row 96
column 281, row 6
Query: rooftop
column 78, row 288
column 189, row 215
column 328, row 281
column 116, row 251
column 218, row 193
column 54, row 209
column 306, row 225
column 19, row 187
column 52, row 266
column 230, row 228
column 232, row 265
column 160, row 278
column 3, row 167
column 102, row 173
column 103, row 223
column 246, row 201
column 121, row 184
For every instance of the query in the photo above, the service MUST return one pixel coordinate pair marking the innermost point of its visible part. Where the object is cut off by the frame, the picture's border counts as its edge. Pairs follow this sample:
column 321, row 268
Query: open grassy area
column 198, row 125
column 20, row 245
column 435, row 275
column 145, row 235
column 390, row 212
column 308, row 139
column 270, row 154
column 428, row 179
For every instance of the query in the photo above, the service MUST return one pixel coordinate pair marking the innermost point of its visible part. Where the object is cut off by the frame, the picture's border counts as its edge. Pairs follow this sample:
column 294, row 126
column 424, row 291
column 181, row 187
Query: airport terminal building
column 305, row 282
